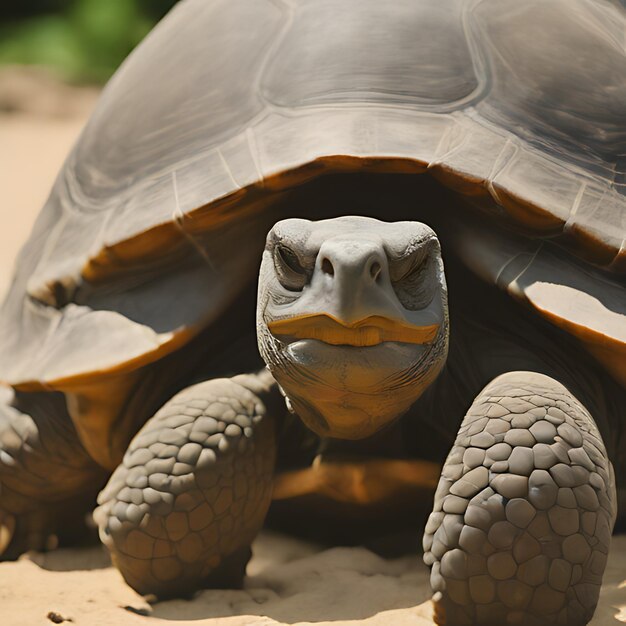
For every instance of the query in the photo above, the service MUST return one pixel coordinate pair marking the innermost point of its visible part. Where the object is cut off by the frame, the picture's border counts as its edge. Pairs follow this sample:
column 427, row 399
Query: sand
column 289, row 581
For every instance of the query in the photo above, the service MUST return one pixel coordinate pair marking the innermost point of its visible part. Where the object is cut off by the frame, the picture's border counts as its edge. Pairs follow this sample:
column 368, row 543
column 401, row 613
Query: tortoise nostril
column 327, row 267
column 375, row 269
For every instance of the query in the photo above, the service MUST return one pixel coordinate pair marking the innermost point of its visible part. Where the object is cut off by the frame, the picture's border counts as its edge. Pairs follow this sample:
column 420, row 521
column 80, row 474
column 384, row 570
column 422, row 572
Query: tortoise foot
column 524, row 509
column 192, row 492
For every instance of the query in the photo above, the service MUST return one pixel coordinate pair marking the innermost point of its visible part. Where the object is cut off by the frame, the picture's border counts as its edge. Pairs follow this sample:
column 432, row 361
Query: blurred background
column 81, row 40
column 55, row 55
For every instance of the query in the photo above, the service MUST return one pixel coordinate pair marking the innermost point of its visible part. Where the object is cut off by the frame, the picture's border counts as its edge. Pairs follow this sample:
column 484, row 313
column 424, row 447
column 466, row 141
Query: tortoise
column 125, row 336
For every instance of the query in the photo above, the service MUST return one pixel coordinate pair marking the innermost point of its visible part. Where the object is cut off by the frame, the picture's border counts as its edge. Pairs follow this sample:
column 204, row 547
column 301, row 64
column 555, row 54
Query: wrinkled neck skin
column 358, row 408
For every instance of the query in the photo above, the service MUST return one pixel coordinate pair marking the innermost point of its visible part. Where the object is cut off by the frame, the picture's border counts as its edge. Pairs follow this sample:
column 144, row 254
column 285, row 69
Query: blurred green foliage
column 83, row 40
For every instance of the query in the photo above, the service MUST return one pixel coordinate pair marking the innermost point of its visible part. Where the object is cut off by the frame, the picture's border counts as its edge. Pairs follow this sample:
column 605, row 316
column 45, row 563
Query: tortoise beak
column 367, row 331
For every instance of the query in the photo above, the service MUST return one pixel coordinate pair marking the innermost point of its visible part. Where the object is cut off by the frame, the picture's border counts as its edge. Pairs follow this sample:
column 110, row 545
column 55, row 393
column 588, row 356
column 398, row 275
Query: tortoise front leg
column 193, row 490
column 524, row 510
column 48, row 482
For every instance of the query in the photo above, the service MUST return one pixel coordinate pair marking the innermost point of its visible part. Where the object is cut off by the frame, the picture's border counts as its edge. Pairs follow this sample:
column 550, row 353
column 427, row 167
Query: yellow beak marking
column 369, row 331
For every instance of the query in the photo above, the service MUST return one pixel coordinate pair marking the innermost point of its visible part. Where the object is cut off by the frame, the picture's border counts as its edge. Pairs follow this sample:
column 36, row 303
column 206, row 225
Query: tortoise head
column 352, row 319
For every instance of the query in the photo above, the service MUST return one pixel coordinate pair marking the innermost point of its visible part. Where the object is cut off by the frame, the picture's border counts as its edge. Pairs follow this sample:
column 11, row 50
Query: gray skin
column 523, row 513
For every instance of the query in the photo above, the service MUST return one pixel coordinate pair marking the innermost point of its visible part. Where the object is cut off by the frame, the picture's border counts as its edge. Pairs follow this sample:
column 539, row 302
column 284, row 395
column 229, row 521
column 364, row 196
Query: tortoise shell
column 521, row 107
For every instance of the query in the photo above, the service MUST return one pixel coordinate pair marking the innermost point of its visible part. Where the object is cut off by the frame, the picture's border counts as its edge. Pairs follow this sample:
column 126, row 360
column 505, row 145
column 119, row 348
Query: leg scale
column 192, row 492
column 524, row 510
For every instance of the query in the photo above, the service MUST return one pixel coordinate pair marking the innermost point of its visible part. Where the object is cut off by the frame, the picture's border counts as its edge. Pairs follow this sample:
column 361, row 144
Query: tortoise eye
column 291, row 274
column 415, row 281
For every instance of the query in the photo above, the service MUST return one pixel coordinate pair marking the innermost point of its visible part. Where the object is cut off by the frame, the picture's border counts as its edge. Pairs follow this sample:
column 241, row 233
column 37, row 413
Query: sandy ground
column 289, row 581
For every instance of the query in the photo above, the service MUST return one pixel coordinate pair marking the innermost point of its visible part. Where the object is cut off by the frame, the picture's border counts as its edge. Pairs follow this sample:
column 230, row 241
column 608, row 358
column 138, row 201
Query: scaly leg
column 193, row 490
column 524, row 510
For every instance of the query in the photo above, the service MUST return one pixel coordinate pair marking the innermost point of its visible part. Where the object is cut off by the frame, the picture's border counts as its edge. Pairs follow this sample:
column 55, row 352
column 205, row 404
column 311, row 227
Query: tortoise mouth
column 351, row 392
column 365, row 332
column 354, row 370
